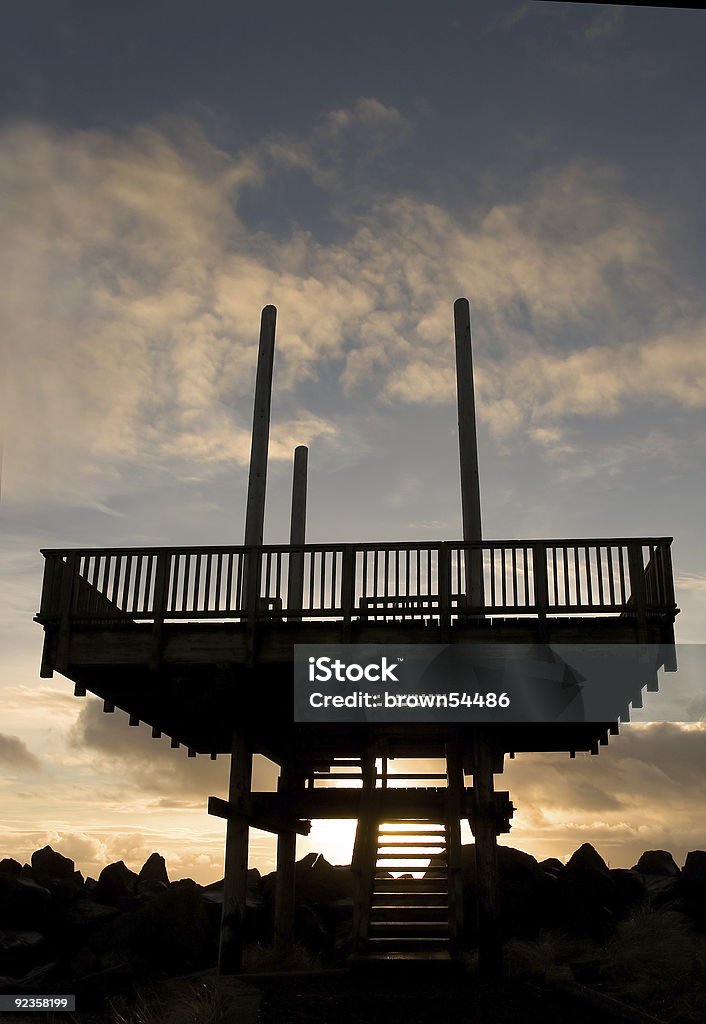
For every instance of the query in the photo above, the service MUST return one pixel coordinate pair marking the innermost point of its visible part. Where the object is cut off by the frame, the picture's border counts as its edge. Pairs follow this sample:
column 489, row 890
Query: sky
column 168, row 168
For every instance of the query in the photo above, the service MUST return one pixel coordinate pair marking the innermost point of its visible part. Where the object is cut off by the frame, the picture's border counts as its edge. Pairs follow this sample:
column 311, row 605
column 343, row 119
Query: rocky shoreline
column 61, row 931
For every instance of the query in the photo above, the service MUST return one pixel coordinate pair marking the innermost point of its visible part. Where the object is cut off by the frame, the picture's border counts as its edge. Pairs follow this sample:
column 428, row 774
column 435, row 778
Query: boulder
column 588, row 899
column 10, row 866
column 694, row 872
column 117, row 885
column 154, row 870
column 19, row 951
column 692, row 886
column 551, row 866
column 631, row 891
column 588, row 862
column 657, row 862
column 50, row 864
column 24, row 903
column 315, row 881
column 175, row 932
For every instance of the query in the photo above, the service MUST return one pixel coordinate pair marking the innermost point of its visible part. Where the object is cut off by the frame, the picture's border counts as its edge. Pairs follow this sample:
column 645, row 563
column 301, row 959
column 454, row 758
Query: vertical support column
column 454, row 812
column 297, row 533
column 468, row 453
column 230, row 955
column 257, row 478
column 365, row 851
column 485, row 834
column 290, row 781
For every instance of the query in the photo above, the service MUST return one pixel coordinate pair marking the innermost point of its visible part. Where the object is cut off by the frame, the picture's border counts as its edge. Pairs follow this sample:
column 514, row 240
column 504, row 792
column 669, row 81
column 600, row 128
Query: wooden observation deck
column 199, row 642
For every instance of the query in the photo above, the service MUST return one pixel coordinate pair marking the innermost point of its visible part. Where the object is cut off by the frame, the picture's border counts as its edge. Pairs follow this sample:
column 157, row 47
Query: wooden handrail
column 405, row 580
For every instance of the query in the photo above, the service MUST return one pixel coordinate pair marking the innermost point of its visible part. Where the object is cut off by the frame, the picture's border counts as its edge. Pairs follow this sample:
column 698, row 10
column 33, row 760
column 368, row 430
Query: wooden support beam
column 484, row 830
column 454, row 813
column 230, row 954
column 365, row 849
column 274, row 819
column 290, row 781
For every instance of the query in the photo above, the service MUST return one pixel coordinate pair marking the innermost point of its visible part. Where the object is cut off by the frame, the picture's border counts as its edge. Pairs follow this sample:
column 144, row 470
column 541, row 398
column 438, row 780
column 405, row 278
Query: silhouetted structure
column 198, row 642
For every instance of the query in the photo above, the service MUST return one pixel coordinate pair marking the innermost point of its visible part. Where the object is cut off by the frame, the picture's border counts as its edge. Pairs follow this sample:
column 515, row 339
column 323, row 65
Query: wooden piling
column 290, row 782
column 468, row 453
column 257, row 477
column 230, row 955
column 297, row 531
column 485, row 834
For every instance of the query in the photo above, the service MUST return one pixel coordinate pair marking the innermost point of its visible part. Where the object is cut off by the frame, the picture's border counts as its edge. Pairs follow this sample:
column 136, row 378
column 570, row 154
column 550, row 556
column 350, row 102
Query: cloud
column 134, row 279
column 643, row 791
column 605, row 25
column 149, row 767
column 16, row 756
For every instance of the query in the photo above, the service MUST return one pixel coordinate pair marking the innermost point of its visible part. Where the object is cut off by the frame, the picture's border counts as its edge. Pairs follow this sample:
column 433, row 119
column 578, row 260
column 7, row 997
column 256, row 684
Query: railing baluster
column 555, row 581
column 219, row 579
column 240, row 563
column 132, row 604
column 185, row 583
column 588, row 574
column 599, row 562
column 197, row 581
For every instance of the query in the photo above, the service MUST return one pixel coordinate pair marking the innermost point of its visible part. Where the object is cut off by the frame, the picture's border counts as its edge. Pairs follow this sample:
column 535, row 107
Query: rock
column 50, row 864
column 10, row 866
column 630, row 888
column 588, row 899
column 587, row 861
column 657, row 862
column 117, row 885
column 39, row 979
column 551, row 866
column 692, row 887
column 19, row 951
column 24, row 903
column 174, row 930
column 154, row 870
column 694, row 871
column 86, row 915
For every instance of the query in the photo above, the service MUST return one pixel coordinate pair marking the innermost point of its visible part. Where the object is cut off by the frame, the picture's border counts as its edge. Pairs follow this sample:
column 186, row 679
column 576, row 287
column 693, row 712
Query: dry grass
column 259, row 959
column 656, row 962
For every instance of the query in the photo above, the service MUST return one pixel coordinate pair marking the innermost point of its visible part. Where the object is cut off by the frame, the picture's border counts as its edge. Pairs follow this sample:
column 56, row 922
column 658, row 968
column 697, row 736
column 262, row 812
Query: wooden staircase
column 408, row 914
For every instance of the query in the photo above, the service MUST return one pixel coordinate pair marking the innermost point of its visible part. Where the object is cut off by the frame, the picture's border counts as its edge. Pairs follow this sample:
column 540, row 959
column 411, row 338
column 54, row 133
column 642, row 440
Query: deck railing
column 361, row 581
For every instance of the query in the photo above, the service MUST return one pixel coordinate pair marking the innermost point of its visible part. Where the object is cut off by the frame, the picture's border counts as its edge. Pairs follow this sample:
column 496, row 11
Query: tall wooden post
column 468, row 452
column 485, row 833
column 257, row 477
column 289, row 782
column 236, row 859
column 297, row 531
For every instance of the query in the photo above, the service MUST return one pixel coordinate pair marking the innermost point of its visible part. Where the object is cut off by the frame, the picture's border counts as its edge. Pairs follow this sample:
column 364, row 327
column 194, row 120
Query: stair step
column 431, row 883
column 404, row 943
column 440, row 843
column 408, row 855
column 440, row 875
column 384, row 912
column 413, row 831
column 408, row 929
column 413, row 900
